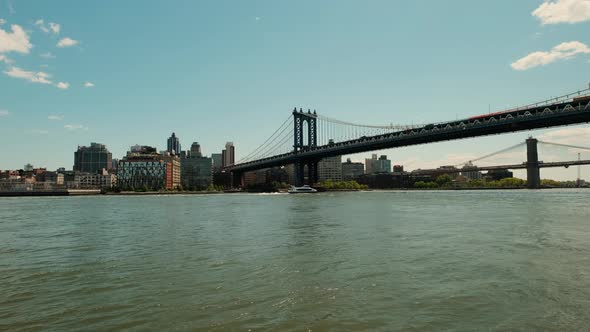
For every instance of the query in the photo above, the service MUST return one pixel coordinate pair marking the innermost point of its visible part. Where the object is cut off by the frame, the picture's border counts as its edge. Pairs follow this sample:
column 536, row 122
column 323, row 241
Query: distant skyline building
column 195, row 150
column 93, row 158
column 351, row 170
column 377, row 165
column 228, row 155
column 174, row 145
column 471, row 172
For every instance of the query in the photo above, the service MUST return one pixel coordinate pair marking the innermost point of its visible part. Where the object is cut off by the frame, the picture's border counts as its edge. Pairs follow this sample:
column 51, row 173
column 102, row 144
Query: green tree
column 444, row 180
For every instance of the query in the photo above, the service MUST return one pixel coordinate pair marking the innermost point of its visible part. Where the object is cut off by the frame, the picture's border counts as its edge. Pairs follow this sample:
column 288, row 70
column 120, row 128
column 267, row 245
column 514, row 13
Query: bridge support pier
column 312, row 169
column 532, row 164
column 300, row 172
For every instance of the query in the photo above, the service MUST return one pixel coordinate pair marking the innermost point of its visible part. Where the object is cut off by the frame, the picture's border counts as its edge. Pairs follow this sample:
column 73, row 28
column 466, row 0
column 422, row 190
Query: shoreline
column 171, row 193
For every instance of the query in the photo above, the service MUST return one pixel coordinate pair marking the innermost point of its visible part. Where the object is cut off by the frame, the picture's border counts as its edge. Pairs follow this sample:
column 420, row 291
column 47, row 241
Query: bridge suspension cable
column 252, row 155
column 566, row 145
column 339, row 131
column 492, row 154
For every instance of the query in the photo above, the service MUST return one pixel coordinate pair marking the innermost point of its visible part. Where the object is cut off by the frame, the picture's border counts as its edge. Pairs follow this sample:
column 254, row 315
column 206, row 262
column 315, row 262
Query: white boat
column 302, row 190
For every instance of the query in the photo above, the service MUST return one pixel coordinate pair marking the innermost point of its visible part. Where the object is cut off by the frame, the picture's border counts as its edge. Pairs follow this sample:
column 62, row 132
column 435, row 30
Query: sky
column 132, row 72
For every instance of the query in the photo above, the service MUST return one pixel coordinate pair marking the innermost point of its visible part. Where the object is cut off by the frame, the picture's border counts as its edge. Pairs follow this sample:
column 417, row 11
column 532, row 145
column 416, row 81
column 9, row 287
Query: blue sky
column 217, row 71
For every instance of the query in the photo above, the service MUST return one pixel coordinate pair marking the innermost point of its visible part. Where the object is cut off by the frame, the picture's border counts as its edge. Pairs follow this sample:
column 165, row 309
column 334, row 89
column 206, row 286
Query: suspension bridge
column 305, row 138
column 532, row 164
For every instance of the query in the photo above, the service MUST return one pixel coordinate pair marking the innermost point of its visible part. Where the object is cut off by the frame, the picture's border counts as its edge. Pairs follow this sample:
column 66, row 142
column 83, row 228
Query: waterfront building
column 85, row 180
column 351, row 170
column 174, row 145
column 377, row 165
column 398, row 169
column 143, row 167
column 196, row 170
column 176, row 171
column 228, row 155
column 330, row 169
column 53, row 177
column 92, row 159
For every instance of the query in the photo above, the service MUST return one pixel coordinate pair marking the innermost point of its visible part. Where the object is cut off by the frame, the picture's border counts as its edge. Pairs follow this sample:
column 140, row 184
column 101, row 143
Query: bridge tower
column 305, row 140
column 532, row 164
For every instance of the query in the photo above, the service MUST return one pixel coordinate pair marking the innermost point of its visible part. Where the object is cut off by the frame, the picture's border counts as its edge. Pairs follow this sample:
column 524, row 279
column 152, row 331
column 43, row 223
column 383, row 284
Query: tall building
column 174, row 145
column 195, row 150
column 351, row 170
column 92, row 159
column 143, row 167
column 228, row 155
column 330, row 169
column 377, row 165
column 217, row 162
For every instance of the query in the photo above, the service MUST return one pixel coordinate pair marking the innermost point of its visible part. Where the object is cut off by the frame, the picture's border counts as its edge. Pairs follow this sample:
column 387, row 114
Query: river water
column 358, row 261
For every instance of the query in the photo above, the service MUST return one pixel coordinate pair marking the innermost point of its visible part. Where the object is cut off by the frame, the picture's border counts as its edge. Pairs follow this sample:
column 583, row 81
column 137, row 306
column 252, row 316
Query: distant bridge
column 533, row 164
column 312, row 137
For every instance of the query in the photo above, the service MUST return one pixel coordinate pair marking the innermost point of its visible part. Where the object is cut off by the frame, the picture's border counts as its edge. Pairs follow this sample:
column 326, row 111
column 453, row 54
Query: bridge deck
column 511, row 121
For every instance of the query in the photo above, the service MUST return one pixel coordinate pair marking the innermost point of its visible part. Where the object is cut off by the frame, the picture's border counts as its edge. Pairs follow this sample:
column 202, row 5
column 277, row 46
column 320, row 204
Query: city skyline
column 101, row 91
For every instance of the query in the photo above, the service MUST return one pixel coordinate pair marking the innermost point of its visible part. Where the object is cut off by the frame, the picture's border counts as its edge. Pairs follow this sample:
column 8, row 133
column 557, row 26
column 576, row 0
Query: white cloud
column 55, row 117
column 5, row 59
column 563, row 11
column 47, row 55
column 67, row 42
column 2, row 21
column 89, row 84
column 62, row 85
column 74, row 127
column 4, row 113
column 15, row 41
column 574, row 136
column 35, row 77
column 39, row 132
column 562, row 51
column 41, row 25
column 54, row 27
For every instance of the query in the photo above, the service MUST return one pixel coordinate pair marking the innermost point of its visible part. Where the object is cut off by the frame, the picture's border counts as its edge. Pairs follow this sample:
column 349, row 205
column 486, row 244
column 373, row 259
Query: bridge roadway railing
column 510, row 121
